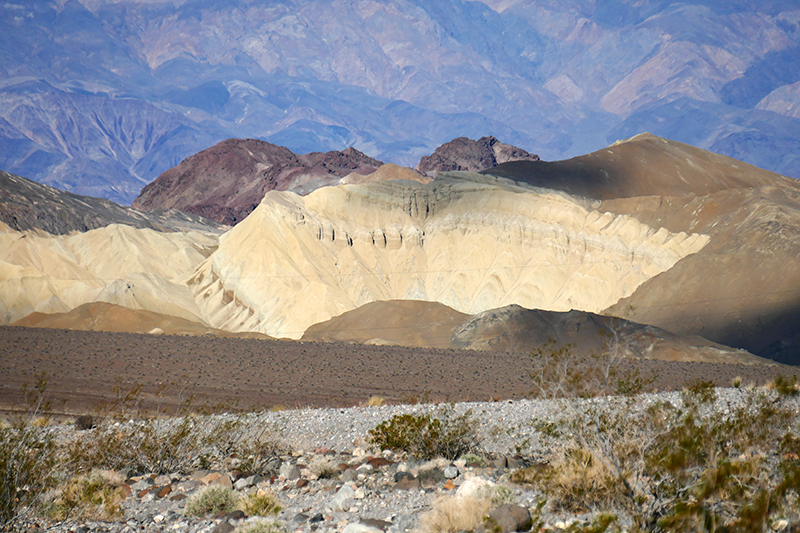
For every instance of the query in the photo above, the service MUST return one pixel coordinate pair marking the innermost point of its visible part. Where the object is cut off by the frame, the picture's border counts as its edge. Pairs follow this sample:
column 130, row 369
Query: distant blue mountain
column 100, row 97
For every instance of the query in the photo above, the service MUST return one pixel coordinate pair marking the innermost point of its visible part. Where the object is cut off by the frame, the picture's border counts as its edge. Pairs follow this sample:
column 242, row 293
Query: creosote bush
column 427, row 437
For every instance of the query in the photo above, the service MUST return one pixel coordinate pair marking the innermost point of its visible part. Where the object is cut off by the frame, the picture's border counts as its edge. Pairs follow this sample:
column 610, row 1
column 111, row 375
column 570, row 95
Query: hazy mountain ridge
column 394, row 79
column 27, row 205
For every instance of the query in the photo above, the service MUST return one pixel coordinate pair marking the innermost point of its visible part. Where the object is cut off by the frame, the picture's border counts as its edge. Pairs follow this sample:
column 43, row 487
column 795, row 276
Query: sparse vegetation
column 425, row 436
column 95, row 496
column 450, row 514
column 684, row 467
column 27, row 459
column 261, row 526
column 261, row 503
column 211, row 500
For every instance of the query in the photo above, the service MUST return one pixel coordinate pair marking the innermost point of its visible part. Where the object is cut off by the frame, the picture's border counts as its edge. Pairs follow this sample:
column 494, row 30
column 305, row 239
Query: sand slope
column 135, row 268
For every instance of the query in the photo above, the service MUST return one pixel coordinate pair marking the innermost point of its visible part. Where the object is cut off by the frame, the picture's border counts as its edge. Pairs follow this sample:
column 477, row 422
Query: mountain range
column 100, row 97
column 670, row 250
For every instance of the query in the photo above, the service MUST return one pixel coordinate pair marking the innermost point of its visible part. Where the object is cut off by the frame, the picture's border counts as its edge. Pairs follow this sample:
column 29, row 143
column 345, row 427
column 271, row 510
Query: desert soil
column 85, row 369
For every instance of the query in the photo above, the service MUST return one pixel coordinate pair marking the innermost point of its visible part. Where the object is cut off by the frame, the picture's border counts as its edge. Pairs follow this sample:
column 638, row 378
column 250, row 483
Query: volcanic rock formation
column 227, row 181
column 465, row 154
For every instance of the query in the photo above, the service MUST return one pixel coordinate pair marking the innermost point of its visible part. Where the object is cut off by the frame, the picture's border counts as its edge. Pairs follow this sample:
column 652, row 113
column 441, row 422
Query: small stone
column 450, row 472
column 407, row 482
column 500, row 462
column 301, row 483
column 779, row 525
column 163, row 491
column 223, row 527
column 177, row 497
column 241, row 484
column 141, row 485
column 234, row 515
column 378, row 462
column 449, row 485
column 84, row 422
column 340, row 502
column 381, row 525
column 356, row 527
column 158, row 518
column 289, row 471
column 210, row 478
column 508, row 518
column 349, row 475
column 360, row 494
column 223, row 481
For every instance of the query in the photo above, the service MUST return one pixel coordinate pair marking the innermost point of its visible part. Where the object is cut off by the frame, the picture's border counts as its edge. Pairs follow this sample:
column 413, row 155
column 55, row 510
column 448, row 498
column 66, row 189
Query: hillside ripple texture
column 469, row 241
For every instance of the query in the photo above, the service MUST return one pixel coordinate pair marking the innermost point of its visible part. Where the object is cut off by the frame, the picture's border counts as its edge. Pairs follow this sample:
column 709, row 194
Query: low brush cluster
column 695, row 464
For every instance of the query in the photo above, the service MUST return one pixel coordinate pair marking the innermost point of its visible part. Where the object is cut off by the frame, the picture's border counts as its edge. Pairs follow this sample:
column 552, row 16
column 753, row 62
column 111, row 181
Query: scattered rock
column 84, row 422
column 508, row 518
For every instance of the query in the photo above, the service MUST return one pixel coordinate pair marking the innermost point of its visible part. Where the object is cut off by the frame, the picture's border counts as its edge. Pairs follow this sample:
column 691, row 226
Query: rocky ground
column 330, row 479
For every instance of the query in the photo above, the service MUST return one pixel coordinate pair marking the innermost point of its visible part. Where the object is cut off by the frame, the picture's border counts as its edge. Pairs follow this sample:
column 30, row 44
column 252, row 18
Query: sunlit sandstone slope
column 118, row 264
column 469, row 241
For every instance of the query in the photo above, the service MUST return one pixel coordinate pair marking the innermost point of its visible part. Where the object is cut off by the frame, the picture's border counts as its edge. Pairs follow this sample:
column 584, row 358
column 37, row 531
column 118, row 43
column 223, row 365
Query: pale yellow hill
column 101, row 316
column 135, row 268
column 468, row 241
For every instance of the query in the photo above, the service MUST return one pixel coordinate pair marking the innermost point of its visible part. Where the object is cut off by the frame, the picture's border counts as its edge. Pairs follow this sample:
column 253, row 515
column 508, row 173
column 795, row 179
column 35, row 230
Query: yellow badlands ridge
column 468, row 241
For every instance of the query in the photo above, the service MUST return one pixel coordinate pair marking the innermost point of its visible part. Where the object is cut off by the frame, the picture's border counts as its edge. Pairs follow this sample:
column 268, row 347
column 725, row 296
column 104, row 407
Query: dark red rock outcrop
column 465, row 154
column 227, row 181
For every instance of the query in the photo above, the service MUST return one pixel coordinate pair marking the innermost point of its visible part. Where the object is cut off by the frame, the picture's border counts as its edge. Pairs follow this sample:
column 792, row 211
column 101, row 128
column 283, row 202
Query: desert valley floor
column 84, row 369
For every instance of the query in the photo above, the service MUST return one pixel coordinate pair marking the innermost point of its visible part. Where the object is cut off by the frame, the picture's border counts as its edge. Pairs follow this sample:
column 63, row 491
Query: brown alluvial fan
column 516, row 329
column 227, row 181
column 102, row 316
column 466, row 154
column 677, row 242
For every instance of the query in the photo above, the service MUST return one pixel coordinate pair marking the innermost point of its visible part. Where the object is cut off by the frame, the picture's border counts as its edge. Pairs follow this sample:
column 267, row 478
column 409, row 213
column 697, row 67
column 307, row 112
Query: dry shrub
column 261, row 526
column 324, row 468
column 453, row 513
column 96, row 496
column 210, row 500
column 261, row 503
column 375, row 401
column 576, row 481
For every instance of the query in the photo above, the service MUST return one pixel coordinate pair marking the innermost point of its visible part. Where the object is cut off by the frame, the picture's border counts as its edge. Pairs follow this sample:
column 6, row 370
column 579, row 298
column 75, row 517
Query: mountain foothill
column 675, row 253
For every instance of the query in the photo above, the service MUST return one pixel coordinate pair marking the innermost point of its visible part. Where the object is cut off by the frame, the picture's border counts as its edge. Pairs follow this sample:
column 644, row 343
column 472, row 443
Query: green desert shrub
column 211, row 500
column 261, row 503
column 427, row 437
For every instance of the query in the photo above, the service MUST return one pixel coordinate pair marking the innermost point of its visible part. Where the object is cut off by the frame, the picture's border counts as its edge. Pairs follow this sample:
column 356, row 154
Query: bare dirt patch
column 85, row 368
